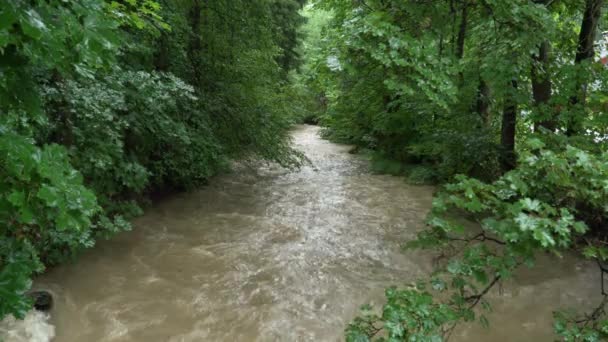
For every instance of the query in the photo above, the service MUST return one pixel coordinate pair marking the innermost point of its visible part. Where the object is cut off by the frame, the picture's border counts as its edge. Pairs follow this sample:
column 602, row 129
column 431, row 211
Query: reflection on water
column 273, row 255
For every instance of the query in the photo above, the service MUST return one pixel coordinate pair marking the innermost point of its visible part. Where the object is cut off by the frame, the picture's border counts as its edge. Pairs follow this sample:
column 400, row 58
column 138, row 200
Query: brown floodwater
column 266, row 254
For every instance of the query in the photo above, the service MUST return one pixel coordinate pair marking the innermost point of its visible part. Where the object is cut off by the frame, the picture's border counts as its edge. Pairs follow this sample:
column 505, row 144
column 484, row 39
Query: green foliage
column 45, row 214
column 421, row 174
column 230, row 53
column 143, row 128
column 141, row 14
column 537, row 205
column 396, row 84
column 381, row 164
column 546, row 204
column 103, row 102
column 310, row 89
column 449, row 153
column 570, row 328
column 287, row 21
column 456, row 92
column 409, row 315
column 20, row 261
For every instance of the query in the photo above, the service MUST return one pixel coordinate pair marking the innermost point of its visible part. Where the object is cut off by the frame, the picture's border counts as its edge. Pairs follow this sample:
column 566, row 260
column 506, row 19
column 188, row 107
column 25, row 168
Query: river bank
column 271, row 255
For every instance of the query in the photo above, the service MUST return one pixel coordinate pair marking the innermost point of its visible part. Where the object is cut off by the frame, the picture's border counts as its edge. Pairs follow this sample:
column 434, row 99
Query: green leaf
column 535, row 144
column 32, row 24
column 4, row 39
column 17, row 198
column 26, row 215
column 49, row 195
column 531, row 204
column 590, row 252
column 544, row 238
column 481, row 276
column 65, row 221
column 526, row 222
column 8, row 16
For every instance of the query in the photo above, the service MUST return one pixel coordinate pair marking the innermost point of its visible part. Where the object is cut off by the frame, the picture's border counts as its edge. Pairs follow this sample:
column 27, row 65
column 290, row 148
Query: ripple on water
column 265, row 254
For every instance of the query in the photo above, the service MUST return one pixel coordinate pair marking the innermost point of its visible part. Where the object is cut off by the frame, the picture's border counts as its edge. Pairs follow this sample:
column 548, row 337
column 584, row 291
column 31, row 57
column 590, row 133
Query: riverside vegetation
column 104, row 103
column 502, row 101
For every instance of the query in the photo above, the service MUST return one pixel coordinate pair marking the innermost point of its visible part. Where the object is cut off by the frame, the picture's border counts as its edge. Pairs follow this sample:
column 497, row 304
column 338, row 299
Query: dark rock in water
column 43, row 301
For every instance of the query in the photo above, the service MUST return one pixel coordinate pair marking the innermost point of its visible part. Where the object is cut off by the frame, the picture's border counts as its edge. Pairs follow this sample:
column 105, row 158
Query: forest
column 108, row 105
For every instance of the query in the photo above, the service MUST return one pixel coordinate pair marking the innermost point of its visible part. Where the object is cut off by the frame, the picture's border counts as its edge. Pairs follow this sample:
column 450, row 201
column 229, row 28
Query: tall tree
column 542, row 87
column 585, row 52
column 509, row 127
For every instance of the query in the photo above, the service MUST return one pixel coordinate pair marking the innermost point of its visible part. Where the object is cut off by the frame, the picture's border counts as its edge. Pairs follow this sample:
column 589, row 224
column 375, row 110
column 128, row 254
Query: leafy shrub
column 89, row 124
column 45, row 212
column 454, row 152
column 383, row 165
column 168, row 132
column 409, row 315
column 134, row 130
column 547, row 204
column 422, row 174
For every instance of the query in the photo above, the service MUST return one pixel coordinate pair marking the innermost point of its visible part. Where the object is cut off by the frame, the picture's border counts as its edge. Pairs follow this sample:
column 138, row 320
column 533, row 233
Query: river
column 266, row 254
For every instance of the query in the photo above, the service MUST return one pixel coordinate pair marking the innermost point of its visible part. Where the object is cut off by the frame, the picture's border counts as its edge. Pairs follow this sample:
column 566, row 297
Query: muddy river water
column 265, row 254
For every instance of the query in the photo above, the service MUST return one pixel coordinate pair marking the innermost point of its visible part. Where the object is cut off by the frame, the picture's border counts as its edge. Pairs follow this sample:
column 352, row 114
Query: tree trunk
column 509, row 125
column 453, row 26
column 195, row 44
column 59, row 112
column 584, row 51
column 482, row 106
column 542, row 87
column 586, row 39
column 462, row 32
column 161, row 56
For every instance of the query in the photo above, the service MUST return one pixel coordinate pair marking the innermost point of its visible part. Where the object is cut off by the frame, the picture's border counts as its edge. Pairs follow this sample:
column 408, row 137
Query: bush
column 554, row 198
column 101, row 102
column 45, row 210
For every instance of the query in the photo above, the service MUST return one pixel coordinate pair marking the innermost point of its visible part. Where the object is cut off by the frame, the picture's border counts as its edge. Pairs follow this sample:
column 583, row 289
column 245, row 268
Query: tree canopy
column 503, row 102
column 105, row 102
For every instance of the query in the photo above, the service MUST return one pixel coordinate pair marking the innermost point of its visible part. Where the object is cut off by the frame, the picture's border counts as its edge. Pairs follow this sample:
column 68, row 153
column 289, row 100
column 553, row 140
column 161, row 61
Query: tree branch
column 477, row 298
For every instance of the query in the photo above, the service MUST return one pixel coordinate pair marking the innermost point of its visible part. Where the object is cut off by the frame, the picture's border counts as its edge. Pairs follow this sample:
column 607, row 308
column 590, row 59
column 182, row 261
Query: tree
column 413, row 82
column 585, row 52
column 104, row 102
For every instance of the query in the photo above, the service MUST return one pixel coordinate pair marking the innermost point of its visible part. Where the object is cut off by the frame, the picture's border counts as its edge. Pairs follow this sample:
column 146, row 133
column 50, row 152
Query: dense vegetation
column 105, row 102
column 503, row 101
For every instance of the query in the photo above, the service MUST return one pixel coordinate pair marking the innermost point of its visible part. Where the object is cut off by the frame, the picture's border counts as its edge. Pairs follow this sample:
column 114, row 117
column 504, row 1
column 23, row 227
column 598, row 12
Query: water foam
column 34, row 328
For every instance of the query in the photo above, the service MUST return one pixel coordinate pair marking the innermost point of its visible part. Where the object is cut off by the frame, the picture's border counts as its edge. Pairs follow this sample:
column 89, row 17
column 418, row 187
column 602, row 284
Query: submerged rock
column 43, row 300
